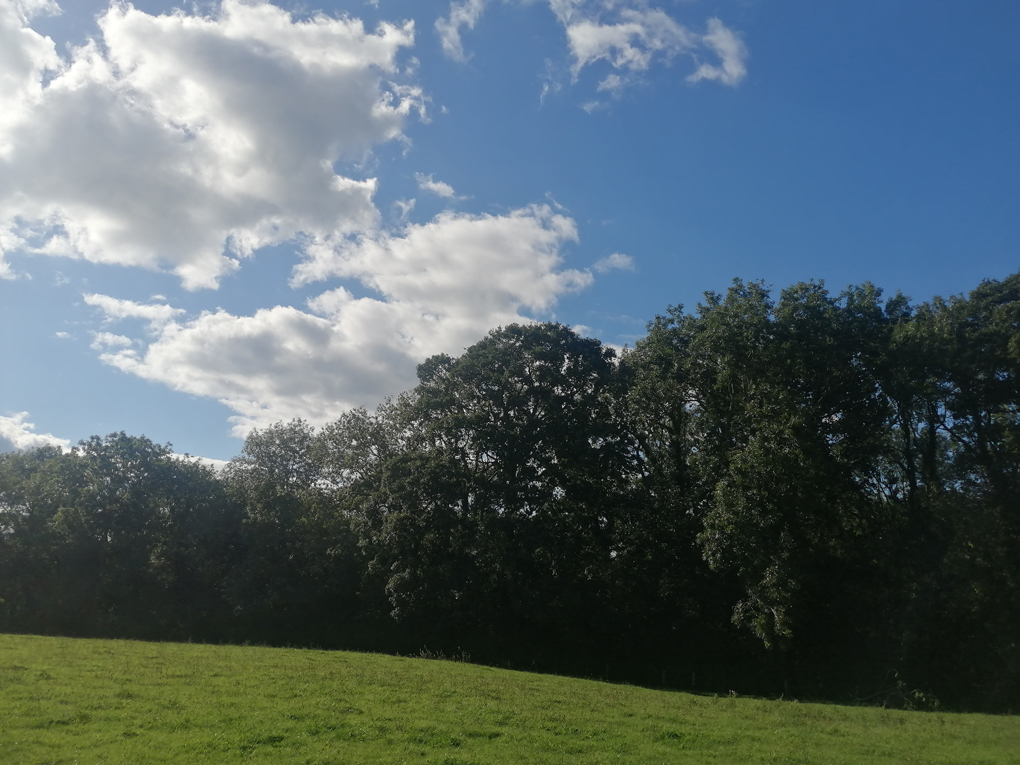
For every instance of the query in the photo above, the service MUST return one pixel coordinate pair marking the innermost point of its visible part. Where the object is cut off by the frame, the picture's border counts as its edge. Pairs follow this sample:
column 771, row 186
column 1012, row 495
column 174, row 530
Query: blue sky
column 222, row 216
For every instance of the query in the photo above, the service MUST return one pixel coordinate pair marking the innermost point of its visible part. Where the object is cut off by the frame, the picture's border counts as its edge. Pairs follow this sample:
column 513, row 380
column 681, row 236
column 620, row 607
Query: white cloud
column 280, row 363
column 24, row 56
column 440, row 189
column 615, row 262
column 16, row 434
column 440, row 286
column 212, row 462
column 640, row 37
column 731, row 51
column 27, row 9
column 613, row 83
column 155, row 313
column 627, row 35
column 403, row 208
column 630, row 44
column 480, row 263
column 462, row 14
column 186, row 142
column 103, row 340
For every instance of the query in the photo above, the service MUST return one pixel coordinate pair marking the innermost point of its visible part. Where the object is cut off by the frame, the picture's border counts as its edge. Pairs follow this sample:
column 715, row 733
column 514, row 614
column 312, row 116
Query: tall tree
column 504, row 506
column 120, row 536
column 299, row 572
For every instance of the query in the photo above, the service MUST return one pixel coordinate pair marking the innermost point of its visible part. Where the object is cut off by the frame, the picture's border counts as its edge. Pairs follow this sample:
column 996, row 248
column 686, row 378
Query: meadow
column 86, row 702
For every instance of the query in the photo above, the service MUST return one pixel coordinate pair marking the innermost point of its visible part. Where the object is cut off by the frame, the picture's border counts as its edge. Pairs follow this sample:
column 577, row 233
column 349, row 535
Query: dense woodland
column 815, row 495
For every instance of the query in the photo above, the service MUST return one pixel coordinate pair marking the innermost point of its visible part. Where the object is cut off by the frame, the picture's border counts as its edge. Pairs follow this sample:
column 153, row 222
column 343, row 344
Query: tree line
column 816, row 495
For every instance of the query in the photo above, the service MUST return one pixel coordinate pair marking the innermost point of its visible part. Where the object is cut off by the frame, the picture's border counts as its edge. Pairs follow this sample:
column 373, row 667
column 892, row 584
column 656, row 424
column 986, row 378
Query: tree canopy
column 813, row 491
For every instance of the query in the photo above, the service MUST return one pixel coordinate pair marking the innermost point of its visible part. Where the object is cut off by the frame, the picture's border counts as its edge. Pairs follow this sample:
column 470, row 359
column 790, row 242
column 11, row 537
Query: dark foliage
column 816, row 495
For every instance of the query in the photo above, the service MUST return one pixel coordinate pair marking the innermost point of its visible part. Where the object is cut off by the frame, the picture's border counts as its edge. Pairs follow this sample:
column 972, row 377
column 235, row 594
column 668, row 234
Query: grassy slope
column 98, row 701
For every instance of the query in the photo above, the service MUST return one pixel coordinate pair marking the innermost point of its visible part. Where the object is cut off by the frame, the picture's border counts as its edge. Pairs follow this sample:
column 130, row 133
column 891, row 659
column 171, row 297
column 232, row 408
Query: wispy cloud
column 615, row 262
column 631, row 43
column 628, row 36
column 439, row 188
column 157, row 314
column 103, row 340
column 462, row 14
column 731, row 51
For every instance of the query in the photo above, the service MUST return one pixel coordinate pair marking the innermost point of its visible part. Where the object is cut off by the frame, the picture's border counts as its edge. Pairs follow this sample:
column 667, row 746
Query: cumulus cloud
column 439, row 286
column 440, row 189
column 627, row 35
column 615, row 262
column 186, row 142
column 16, row 434
column 480, row 263
column 25, row 56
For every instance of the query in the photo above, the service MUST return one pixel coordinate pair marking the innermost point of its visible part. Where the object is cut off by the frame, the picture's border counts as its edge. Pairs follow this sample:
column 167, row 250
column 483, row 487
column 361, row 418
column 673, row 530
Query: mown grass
column 104, row 701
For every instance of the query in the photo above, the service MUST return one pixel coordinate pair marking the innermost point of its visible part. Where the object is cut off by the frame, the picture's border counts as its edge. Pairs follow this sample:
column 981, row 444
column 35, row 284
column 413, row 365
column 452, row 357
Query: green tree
column 116, row 536
column 772, row 424
column 502, row 508
column 298, row 576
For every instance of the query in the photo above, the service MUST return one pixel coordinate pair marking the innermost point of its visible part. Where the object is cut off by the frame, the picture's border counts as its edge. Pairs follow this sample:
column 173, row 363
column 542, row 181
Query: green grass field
column 105, row 701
